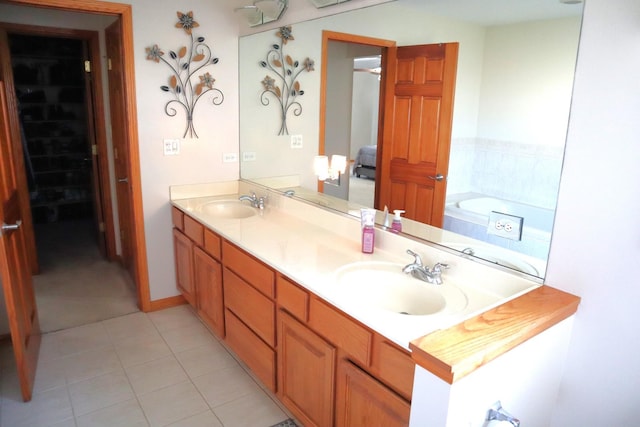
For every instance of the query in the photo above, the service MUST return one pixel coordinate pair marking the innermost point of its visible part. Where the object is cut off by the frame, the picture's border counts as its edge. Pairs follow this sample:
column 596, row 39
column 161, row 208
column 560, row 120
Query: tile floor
column 156, row 369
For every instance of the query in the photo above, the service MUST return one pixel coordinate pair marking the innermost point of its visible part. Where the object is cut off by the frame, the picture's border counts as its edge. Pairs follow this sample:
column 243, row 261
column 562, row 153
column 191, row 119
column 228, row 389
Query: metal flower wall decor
column 287, row 71
column 185, row 63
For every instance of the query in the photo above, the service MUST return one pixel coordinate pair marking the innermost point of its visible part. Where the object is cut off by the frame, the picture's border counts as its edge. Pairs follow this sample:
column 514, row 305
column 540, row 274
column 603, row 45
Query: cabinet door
column 183, row 252
column 306, row 365
column 363, row 401
column 208, row 284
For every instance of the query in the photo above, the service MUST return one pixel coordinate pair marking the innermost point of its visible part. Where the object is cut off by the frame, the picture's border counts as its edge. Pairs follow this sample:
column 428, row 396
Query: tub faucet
column 256, row 202
column 423, row 272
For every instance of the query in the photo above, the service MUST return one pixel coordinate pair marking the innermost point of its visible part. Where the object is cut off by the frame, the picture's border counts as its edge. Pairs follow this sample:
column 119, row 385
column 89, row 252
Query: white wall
column 596, row 242
column 200, row 160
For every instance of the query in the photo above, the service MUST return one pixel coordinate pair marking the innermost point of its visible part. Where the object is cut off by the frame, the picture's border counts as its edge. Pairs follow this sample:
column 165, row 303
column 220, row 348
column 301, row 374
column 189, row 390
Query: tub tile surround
column 516, row 171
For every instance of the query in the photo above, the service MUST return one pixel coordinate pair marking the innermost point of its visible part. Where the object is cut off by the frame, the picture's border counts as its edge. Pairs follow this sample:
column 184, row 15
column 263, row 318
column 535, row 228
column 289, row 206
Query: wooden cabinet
column 361, row 400
column 306, row 366
column 183, row 253
column 249, row 289
column 326, row 367
column 208, row 284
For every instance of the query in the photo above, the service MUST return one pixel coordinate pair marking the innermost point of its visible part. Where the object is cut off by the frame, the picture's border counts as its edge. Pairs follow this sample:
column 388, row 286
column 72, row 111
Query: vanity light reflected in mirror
column 329, row 171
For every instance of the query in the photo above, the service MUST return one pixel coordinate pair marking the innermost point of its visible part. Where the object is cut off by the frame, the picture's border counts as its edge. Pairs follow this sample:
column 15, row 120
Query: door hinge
column 87, row 66
column 94, row 150
column 109, row 64
column 101, row 227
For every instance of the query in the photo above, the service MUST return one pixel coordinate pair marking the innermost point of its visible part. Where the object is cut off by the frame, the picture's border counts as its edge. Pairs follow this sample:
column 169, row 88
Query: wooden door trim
column 335, row 36
column 124, row 12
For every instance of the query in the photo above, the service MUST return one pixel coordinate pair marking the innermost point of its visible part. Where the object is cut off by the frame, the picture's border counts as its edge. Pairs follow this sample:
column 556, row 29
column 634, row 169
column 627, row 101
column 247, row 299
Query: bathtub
column 468, row 214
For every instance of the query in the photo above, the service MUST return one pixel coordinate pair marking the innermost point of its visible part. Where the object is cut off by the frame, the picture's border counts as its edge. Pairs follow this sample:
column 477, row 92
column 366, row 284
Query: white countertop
column 309, row 245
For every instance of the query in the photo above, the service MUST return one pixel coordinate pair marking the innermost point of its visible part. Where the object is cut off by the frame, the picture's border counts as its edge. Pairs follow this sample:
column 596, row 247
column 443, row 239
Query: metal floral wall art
column 286, row 71
column 185, row 63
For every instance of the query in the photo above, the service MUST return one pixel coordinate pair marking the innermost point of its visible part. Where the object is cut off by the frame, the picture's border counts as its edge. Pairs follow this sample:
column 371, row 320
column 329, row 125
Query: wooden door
column 417, row 130
column 113, row 35
column 306, row 367
column 14, row 264
column 363, row 401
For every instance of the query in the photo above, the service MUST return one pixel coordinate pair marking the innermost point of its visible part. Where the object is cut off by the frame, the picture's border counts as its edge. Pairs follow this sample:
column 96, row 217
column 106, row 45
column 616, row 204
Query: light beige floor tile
column 89, row 364
column 124, row 414
column 49, row 374
column 205, row 359
column 136, row 350
column 156, row 374
column 253, row 410
column 187, row 337
column 205, row 419
column 100, row 392
column 225, row 385
column 174, row 317
column 45, row 409
column 129, row 326
column 69, row 422
column 82, row 338
column 10, row 387
column 170, row 404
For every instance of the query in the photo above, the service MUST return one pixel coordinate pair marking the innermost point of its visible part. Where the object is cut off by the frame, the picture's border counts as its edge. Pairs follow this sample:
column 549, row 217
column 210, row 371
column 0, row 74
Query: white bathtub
column 468, row 214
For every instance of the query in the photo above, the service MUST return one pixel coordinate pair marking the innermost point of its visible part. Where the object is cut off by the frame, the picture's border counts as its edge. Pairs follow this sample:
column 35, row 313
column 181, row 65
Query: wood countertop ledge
column 457, row 351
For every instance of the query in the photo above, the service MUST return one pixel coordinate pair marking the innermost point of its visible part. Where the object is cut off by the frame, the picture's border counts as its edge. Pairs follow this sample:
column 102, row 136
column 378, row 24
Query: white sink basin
column 383, row 286
column 230, row 209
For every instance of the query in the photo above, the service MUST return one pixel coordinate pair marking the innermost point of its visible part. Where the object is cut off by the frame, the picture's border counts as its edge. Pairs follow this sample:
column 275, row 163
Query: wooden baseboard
column 161, row 304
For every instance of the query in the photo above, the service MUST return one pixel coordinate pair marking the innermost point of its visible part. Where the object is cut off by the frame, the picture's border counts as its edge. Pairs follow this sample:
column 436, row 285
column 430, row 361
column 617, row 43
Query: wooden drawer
column 177, row 218
column 194, row 230
column 259, row 357
column 250, row 269
column 343, row 332
column 254, row 309
column 212, row 244
column 393, row 366
column 292, row 298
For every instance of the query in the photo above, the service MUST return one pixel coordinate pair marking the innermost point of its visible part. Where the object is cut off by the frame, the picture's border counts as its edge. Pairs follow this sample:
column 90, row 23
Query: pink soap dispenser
column 367, row 217
column 396, row 225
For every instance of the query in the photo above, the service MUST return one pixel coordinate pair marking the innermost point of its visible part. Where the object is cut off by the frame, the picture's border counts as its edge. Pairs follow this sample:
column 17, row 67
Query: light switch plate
column 505, row 225
column 296, row 141
column 248, row 156
column 229, row 157
column 171, row 147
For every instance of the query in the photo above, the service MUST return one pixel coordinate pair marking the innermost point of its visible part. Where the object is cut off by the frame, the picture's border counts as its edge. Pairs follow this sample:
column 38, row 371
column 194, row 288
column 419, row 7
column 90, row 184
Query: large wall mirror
column 515, row 71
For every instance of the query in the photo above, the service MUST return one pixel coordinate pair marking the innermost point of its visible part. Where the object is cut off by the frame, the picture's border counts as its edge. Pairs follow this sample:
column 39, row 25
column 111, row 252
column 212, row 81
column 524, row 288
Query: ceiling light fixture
column 263, row 11
column 324, row 3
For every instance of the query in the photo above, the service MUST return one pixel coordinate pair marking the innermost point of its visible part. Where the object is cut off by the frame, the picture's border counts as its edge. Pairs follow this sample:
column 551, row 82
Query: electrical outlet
column 505, row 225
column 229, row 157
column 171, row 147
column 296, row 141
column 248, row 156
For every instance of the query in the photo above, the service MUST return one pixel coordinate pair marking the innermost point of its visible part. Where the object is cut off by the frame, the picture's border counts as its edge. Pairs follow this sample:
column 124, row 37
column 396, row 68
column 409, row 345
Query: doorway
column 68, row 186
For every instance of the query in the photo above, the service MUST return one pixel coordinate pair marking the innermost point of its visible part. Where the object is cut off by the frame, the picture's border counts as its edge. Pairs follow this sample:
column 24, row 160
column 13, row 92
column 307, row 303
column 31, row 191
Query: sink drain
column 403, row 312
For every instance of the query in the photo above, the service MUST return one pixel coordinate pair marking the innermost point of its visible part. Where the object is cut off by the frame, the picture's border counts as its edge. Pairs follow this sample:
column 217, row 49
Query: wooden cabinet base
column 362, row 401
column 306, row 368
column 258, row 356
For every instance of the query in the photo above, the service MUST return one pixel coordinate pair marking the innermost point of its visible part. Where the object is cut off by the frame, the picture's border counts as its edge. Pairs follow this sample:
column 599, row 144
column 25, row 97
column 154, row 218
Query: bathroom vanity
column 324, row 327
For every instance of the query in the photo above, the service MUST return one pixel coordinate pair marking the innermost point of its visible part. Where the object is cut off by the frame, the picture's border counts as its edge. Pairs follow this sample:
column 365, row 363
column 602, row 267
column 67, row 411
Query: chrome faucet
column 423, row 272
column 256, row 202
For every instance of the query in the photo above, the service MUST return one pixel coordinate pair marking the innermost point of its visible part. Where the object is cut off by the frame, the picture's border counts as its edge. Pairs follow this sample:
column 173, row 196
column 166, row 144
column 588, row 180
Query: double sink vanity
column 337, row 335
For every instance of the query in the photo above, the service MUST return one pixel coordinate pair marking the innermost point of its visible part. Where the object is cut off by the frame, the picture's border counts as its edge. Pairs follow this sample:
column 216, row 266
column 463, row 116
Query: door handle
column 438, row 177
column 11, row 227
column 123, row 180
